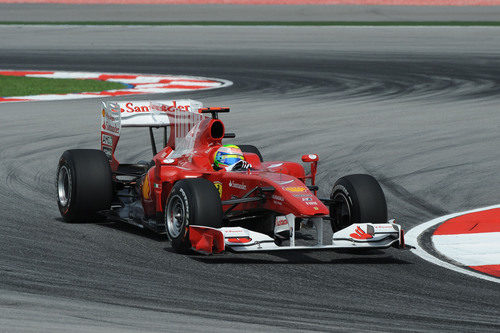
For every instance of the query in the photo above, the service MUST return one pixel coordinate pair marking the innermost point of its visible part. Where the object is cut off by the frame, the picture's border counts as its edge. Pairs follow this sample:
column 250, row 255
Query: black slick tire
column 84, row 184
column 357, row 199
column 191, row 202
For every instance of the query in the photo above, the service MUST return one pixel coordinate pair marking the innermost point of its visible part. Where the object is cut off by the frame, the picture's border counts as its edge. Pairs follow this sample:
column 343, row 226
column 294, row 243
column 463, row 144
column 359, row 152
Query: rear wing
column 151, row 114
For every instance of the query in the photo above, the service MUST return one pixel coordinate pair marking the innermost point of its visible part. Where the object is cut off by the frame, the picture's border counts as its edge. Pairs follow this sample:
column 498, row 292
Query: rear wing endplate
column 152, row 114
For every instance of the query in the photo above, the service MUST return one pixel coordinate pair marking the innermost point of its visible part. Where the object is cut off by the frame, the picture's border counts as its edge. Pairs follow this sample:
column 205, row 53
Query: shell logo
column 296, row 189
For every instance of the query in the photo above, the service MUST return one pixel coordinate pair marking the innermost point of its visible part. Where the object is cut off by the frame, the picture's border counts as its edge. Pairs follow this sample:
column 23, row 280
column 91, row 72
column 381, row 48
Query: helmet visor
column 231, row 159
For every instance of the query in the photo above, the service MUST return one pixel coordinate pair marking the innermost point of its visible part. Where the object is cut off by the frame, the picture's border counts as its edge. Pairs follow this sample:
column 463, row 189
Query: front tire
column 191, row 202
column 84, row 184
column 357, row 199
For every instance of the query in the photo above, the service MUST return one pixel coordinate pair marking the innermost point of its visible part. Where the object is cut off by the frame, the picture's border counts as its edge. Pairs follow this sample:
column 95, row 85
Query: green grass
column 276, row 23
column 11, row 86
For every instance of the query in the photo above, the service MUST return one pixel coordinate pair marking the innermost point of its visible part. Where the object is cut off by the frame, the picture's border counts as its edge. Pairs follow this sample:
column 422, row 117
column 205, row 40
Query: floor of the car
column 132, row 169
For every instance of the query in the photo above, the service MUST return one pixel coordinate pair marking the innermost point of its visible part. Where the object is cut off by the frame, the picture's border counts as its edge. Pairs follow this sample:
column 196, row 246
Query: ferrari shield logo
column 218, row 186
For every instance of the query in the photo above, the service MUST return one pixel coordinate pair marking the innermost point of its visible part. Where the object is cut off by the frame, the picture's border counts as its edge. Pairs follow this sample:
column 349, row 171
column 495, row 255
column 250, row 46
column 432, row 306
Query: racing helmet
column 228, row 155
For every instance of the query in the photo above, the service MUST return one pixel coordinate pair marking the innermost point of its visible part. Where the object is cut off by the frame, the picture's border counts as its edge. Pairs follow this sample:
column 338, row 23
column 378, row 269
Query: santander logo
column 172, row 108
column 236, row 185
column 132, row 107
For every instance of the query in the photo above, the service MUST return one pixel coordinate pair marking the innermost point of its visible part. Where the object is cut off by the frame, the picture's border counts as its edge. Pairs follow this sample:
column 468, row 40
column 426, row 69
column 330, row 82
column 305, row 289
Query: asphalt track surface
column 263, row 13
column 415, row 107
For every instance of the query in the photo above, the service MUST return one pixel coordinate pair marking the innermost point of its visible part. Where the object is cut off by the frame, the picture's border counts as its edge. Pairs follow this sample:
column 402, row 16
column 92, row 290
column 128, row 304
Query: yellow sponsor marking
column 218, row 186
column 146, row 188
column 296, row 189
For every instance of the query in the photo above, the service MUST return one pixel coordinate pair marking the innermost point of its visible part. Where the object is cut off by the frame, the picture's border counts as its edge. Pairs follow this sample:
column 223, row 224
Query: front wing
column 208, row 240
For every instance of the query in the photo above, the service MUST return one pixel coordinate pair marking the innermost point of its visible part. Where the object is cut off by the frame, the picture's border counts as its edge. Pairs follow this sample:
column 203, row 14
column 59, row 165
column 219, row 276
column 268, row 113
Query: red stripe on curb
column 488, row 269
column 23, row 73
column 105, row 77
column 485, row 221
column 113, row 93
column 274, row 2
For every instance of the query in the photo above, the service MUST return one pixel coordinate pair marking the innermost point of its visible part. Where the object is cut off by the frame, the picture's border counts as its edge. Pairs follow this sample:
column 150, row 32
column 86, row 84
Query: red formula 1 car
column 260, row 208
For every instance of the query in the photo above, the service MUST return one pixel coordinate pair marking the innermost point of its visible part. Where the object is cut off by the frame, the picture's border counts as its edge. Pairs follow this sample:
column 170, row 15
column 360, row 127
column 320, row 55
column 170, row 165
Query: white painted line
column 411, row 238
column 470, row 249
column 66, row 75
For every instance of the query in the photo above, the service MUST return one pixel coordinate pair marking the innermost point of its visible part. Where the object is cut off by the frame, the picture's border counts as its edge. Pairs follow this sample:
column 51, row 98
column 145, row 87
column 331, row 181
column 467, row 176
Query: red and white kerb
column 137, row 84
column 472, row 240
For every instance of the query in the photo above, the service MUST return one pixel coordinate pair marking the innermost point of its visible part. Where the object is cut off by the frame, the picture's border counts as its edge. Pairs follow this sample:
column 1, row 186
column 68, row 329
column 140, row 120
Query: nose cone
column 295, row 195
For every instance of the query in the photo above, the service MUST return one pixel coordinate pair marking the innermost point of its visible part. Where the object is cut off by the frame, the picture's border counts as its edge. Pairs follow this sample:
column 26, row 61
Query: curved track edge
column 412, row 238
column 135, row 84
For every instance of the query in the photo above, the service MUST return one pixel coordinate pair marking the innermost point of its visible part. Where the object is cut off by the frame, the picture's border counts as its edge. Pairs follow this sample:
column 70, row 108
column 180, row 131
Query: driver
column 230, row 158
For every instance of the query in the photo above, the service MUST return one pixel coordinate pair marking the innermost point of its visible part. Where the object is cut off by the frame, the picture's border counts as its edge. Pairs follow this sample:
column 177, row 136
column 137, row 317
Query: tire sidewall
column 346, row 189
column 91, row 184
column 202, row 207
column 181, row 242
column 365, row 199
column 68, row 210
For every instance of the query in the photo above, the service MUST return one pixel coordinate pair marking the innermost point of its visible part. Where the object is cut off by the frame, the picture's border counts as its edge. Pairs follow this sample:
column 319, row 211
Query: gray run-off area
column 222, row 13
column 416, row 107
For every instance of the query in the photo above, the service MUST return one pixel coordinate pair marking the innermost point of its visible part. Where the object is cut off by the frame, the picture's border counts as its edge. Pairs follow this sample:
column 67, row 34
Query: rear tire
column 84, row 184
column 357, row 199
column 191, row 202
column 251, row 149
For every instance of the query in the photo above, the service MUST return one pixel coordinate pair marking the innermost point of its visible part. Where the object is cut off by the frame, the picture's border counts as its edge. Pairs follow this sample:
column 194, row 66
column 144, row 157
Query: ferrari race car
column 207, row 210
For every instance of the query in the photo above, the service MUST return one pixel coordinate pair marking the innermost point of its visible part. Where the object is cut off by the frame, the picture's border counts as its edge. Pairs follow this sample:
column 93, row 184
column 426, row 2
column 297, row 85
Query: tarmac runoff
column 274, row 2
column 468, row 241
column 416, row 107
column 138, row 84
column 29, row 13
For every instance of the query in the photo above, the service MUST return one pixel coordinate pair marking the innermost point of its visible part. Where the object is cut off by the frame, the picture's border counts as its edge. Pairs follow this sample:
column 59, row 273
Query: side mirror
column 170, row 161
column 313, row 159
column 308, row 158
